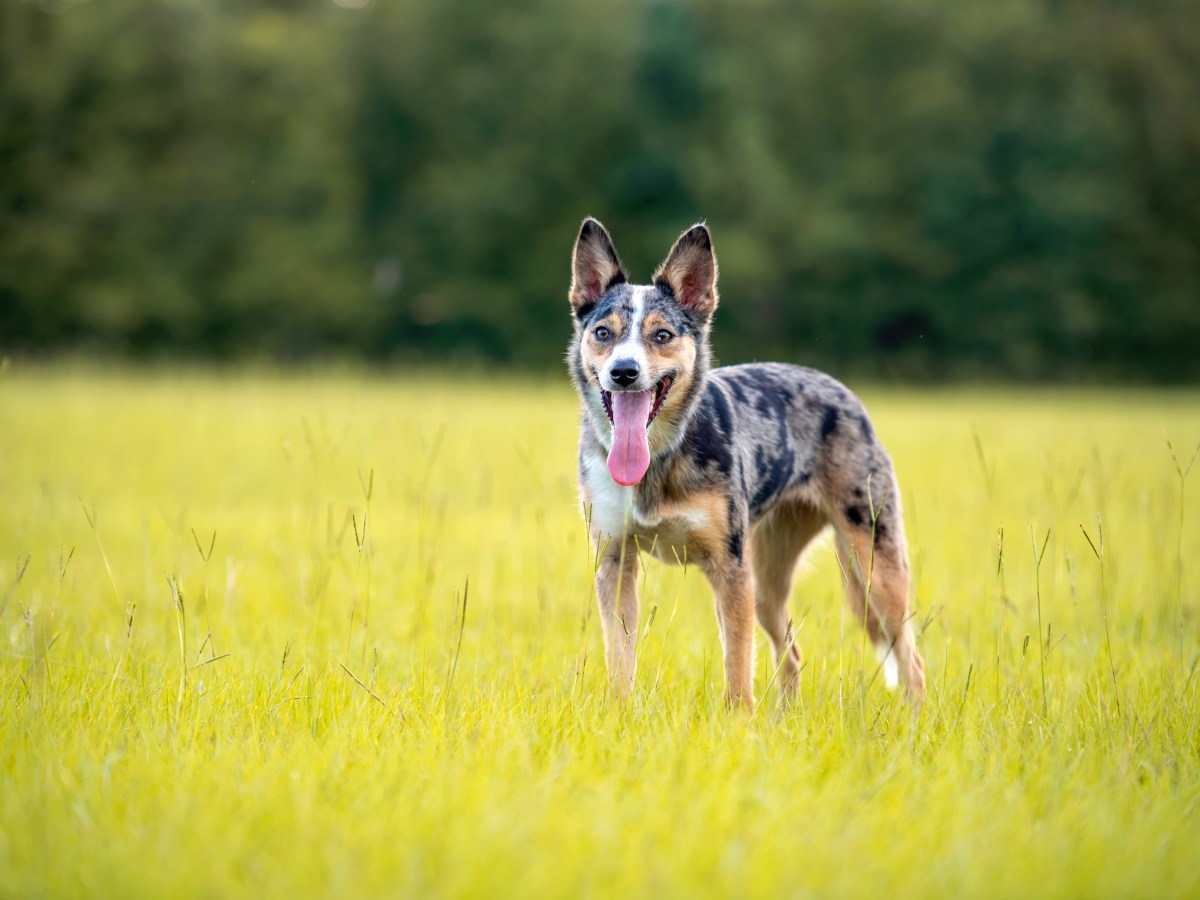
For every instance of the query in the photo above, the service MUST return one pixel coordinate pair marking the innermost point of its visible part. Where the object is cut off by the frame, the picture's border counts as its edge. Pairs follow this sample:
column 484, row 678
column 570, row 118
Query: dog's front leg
column 616, row 592
column 733, row 590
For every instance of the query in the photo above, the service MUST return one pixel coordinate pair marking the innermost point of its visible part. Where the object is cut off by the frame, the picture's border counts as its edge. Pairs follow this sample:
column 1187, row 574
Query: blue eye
column 602, row 333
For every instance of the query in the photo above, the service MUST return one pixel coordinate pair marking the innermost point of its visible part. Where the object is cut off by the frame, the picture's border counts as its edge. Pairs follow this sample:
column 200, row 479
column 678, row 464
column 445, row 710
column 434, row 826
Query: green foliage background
column 898, row 188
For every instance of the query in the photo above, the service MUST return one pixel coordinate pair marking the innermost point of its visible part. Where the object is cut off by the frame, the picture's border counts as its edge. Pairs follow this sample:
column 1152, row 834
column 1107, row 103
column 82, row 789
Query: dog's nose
column 625, row 372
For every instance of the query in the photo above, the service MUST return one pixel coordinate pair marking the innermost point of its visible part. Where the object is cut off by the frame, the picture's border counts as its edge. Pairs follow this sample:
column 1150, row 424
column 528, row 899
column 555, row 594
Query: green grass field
column 234, row 661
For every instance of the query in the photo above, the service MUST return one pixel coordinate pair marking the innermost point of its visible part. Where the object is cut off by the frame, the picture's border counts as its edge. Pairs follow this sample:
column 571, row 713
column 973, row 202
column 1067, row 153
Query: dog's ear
column 595, row 266
column 690, row 272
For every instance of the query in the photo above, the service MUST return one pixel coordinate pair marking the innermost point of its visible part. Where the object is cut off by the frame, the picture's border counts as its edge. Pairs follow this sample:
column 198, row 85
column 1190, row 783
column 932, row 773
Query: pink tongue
column 629, row 457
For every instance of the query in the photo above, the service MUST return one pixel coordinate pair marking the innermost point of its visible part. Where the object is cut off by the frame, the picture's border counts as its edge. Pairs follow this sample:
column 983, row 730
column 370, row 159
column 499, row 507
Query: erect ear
column 595, row 266
column 690, row 272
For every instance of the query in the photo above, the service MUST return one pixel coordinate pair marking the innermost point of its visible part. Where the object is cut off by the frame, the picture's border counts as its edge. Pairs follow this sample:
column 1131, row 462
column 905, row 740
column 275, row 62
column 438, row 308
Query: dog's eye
column 662, row 336
column 602, row 333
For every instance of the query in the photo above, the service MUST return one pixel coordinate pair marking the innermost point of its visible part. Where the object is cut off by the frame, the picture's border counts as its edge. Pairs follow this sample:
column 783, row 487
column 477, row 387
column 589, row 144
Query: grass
column 334, row 635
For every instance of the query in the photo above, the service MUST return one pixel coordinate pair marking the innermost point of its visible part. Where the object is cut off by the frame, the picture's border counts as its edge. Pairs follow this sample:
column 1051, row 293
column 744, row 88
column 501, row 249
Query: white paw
column 891, row 669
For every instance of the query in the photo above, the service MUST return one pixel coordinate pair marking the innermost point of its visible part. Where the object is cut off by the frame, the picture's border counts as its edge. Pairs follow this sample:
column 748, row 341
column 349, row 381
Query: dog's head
column 640, row 351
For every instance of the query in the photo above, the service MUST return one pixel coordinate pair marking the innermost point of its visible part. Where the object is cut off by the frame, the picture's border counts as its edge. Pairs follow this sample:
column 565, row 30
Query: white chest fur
column 615, row 514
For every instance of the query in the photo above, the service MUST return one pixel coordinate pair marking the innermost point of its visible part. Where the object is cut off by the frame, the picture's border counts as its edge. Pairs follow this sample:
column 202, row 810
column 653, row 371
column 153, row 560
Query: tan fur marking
column 594, row 352
column 707, row 542
column 681, row 386
column 678, row 356
column 733, row 590
column 652, row 323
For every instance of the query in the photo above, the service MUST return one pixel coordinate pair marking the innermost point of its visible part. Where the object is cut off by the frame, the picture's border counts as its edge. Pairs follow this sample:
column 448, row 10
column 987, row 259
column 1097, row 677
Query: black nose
column 625, row 372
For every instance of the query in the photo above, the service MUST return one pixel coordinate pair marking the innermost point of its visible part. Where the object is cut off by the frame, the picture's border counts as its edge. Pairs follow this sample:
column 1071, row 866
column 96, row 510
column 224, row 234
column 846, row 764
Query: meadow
column 333, row 634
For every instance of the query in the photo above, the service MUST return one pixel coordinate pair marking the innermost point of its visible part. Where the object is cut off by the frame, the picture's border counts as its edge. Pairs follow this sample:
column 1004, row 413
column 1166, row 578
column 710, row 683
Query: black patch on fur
column 714, row 411
column 864, row 425
column 716, row 400
column 618, row 278
column 739, row 395
column 855, row 515
column 665, row 286
column 773, row 404
column 603, row 305
column 829, row 422
column 708, row 443
column 880, row 532
column 735, row 519
column 696, row 324
column 736, row 543
column 774, row 473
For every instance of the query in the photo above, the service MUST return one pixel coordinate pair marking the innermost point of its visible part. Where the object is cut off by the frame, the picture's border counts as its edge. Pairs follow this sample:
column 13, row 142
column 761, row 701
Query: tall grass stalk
column 365, row 549
column 1181, row 473
column 129, row 607
column 1098, row 552
column 999, row 603
column 18, row 574
column 461, row 616
column 206, row 557
column 1038, row 555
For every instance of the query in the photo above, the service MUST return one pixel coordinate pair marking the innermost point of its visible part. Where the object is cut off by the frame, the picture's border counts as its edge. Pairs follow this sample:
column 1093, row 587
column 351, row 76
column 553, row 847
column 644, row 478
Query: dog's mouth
column 660, row 394
column 631, row 413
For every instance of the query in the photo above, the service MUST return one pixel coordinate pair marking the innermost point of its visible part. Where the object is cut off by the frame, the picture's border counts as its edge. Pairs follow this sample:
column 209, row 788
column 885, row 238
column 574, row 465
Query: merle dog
column 735, row 469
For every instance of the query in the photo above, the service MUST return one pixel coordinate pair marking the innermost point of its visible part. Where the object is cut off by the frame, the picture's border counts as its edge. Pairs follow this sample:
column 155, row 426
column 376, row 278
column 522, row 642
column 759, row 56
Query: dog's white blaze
column 891, row 669
column 630, row 346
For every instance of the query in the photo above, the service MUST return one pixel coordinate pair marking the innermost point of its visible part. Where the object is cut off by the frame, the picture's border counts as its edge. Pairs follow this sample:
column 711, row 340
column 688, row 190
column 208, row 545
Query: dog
column 734, row 469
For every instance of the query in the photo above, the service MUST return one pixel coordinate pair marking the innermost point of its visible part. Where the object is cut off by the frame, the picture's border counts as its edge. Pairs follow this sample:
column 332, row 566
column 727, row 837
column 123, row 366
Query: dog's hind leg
column 616, row 594
column 776, row 544
column 873, row 553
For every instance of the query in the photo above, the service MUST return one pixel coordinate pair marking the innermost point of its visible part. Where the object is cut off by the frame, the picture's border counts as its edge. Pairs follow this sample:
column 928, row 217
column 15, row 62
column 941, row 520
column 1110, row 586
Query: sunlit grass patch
column 335, row 635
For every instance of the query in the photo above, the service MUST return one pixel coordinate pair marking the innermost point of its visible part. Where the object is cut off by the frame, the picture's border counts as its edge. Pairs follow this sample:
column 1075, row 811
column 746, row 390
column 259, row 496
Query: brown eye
column 662, row 336
column 602, row 333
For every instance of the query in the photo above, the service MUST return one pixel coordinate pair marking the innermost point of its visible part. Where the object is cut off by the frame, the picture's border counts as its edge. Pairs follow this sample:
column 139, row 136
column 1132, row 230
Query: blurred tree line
column 898, row 188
